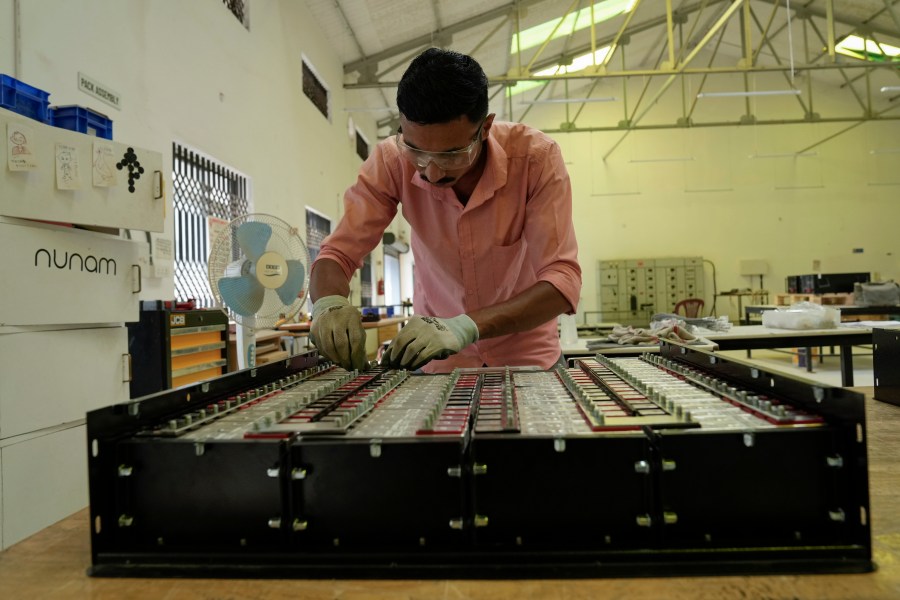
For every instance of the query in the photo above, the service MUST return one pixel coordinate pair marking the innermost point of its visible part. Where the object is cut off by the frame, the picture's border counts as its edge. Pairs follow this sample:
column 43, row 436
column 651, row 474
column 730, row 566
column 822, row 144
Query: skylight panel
column 576, row 21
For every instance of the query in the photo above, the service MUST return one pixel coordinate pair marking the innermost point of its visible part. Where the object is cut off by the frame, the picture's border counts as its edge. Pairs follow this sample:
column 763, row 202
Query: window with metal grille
column 362, row 146
column 365, row 276
column 318, row 227
column 314, row 89
column 203, row 189
column 240, row 9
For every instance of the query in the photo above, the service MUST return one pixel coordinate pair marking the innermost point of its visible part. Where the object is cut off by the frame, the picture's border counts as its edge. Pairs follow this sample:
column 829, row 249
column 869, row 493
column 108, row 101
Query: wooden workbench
column 377, row 332
column 52, row 563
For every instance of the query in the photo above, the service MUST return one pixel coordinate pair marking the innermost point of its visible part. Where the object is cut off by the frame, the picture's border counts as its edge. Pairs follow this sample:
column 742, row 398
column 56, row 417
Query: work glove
column 338, row 333
column 427, row 338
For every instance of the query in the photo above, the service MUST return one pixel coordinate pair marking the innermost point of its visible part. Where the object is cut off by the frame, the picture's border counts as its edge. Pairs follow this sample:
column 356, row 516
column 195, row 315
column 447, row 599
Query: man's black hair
column 443, row 85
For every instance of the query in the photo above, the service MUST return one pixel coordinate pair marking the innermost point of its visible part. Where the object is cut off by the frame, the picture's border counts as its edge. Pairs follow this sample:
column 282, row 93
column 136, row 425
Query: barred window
column 362, row 146
column 314, row 89
column 318, row 227
column 365, row 275
column 240, row 9
column 203, row 189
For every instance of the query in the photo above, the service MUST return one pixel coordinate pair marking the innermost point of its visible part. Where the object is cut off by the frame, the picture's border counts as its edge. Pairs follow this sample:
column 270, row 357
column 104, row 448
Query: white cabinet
column 632, row 291
column 60, row 275
column 101, row 194
column 68, row 290
column 39, row 393
column 44, row 479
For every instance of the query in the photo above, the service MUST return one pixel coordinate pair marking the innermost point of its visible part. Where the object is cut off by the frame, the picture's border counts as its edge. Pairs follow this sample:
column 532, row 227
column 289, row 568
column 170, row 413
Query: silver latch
column 642, row 466
column 481, row 521
column 643, row 520
column 479, row 469
column 375, row 448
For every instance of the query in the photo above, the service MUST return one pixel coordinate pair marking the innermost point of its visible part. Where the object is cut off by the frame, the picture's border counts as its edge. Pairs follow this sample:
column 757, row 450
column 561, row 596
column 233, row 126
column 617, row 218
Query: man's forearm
column 535, row 306
column 328, row 279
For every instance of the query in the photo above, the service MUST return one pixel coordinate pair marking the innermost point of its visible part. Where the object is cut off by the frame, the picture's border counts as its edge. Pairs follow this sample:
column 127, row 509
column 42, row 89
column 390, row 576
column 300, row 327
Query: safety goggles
column 445, row 161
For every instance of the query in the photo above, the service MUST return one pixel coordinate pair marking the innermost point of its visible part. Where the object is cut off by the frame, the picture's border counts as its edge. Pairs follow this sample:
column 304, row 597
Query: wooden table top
column 304, row 327
column 52, row 563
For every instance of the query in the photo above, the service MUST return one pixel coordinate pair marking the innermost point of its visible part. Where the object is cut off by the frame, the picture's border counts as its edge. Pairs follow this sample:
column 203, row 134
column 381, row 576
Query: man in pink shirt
column 490, row 209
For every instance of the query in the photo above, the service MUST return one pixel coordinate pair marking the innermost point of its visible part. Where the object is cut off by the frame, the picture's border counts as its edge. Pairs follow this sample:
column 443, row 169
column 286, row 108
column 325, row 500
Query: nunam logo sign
column 64, row 260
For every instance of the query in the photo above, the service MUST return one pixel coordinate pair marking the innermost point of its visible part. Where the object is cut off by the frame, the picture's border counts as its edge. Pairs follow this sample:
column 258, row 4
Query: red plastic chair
column 691, row 307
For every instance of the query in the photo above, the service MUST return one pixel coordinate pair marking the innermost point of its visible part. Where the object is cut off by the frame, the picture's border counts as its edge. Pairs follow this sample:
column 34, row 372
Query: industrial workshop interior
column 451, row 299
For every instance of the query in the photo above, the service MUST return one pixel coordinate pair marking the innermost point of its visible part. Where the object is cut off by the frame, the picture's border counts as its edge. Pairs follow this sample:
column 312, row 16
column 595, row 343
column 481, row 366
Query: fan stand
column 245, row 344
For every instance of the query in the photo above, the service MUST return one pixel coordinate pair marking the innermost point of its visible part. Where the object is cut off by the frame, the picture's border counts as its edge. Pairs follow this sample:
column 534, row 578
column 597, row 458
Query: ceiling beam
column 845, row 20
column 506, row 80
column 506, row 11
column 423, row 40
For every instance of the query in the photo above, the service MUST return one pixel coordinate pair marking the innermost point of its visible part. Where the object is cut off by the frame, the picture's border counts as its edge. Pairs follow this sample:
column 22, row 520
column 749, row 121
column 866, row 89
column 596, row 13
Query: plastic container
column 24, row 99
column 81, row 119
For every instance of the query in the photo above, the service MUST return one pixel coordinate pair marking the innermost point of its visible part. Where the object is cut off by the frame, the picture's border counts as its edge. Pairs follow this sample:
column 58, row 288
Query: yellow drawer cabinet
column 172, row 348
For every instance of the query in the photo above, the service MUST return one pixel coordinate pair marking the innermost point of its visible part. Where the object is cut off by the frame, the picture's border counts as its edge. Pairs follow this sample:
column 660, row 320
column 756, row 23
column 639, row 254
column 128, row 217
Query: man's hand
column 338, row 333
column 427, row 338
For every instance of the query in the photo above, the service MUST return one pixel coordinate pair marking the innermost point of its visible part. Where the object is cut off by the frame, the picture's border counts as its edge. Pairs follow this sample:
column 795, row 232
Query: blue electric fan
column 259, row 274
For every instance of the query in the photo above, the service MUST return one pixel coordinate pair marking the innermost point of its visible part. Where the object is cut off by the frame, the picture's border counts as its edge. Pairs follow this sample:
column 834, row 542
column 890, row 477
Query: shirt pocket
column 510, row 273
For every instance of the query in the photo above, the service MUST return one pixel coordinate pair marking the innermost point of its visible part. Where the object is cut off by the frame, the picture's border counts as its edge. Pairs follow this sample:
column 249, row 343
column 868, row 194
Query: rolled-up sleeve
column 549, row 230
column 369, row 207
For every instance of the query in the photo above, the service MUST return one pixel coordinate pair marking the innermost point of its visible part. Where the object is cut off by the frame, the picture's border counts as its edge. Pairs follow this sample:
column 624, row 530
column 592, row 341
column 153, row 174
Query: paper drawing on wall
column 20, row 153
column 67, row 175
column 104, row 171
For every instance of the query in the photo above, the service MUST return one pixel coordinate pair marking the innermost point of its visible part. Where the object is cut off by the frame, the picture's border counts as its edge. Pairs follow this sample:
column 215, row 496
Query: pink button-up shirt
column 515, row 230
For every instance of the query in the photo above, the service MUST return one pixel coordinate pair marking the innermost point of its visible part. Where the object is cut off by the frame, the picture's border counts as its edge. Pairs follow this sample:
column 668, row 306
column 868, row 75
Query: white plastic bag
column 802, row 315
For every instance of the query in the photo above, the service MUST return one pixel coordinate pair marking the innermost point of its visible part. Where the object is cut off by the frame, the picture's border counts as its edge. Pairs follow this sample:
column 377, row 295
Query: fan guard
column 259, row 270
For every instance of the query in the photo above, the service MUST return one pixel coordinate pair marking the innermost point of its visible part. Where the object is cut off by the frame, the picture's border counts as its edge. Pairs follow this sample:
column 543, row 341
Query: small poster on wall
column 103, row 165
column 20, row 147
column 67, row 171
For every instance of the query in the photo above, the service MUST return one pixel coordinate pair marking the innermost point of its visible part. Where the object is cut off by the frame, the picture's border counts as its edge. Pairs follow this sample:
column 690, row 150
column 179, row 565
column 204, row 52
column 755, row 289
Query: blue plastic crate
column 81, row 119
column 24, row 99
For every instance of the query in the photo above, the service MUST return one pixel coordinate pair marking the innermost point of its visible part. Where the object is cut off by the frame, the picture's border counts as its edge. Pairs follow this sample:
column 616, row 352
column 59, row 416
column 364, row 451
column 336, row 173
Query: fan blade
column 293, row 284
column 252, row 237
column 243, row 295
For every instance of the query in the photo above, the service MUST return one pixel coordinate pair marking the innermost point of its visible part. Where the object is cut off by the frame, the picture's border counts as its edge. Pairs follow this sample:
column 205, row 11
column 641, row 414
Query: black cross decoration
column 135, row 169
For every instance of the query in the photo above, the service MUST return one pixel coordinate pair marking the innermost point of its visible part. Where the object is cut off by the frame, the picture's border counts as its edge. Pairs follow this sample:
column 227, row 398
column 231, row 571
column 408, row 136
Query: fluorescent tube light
column 754, row 93
column 890, row 88
column 568, row 100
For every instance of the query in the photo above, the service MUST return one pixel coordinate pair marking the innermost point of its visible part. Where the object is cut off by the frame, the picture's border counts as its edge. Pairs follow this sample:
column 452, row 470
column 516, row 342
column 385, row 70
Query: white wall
column 735, row 193
column 188, row 71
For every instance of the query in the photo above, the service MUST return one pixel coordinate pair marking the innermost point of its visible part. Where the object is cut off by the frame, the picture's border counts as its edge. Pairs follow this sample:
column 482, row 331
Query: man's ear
column 488, row 121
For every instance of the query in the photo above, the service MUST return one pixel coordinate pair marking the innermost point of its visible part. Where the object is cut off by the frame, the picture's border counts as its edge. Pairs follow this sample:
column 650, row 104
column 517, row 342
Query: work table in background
column 757, row 337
